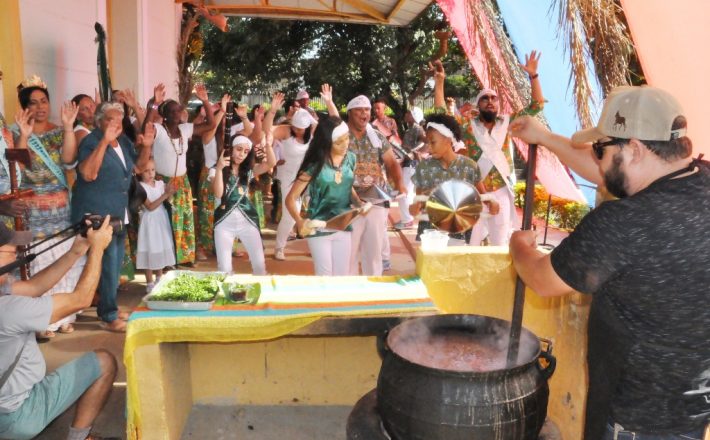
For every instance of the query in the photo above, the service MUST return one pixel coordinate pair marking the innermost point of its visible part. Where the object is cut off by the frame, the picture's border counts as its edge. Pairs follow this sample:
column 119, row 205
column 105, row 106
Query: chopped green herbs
column 188, row 288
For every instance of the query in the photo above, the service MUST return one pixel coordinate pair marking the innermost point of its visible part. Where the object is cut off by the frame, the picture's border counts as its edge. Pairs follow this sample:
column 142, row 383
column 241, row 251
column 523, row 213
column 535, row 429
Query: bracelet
column 532, row 77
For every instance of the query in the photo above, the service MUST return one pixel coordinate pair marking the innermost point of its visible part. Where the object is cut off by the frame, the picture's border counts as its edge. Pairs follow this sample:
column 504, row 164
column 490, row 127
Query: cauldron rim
column 453, row 318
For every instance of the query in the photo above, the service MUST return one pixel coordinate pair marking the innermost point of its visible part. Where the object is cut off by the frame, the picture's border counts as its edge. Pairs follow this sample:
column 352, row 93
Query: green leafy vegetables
column 188, row 288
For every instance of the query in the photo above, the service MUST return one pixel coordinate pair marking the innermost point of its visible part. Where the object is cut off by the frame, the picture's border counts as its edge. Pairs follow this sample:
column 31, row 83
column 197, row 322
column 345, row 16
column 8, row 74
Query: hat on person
column 359, row 102
column 639, row 112
column 302, row 119
column 302, row 94
column 17, row 238
column 417, row 114
column 485, row 92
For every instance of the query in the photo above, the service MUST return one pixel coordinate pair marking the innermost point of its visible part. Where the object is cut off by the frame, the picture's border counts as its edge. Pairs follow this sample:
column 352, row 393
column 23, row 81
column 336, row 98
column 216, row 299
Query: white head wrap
column 443, row 129
column 485, row 92
column 241, row 140
column 359, row 102
column 417, row 114
column 339, row 131
column 302, row 94
column 302, row 119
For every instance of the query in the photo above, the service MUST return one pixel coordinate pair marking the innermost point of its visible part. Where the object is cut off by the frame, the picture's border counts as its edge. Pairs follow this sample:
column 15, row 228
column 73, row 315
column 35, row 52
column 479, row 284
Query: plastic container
column 434, row 240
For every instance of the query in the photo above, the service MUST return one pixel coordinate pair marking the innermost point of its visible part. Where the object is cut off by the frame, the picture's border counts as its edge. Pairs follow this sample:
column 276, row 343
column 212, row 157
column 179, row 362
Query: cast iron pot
column 500, row 401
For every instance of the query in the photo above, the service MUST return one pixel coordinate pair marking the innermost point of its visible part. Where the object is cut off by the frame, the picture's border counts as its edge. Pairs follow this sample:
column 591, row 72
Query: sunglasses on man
column 598, row 147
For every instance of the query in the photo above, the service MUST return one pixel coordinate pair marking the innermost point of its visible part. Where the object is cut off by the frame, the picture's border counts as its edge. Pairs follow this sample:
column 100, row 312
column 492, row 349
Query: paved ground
column 89, row 335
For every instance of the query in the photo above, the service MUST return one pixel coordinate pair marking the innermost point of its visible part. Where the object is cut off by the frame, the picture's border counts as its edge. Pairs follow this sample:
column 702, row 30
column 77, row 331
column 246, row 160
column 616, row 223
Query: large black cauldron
column 426, row 392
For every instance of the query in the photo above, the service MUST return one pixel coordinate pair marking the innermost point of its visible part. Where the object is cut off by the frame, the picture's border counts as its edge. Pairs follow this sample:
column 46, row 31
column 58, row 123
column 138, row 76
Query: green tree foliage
column 258, row 55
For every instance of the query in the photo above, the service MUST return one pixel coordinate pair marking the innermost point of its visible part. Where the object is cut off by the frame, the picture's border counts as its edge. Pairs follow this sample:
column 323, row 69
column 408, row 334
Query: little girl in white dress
column 156, row 249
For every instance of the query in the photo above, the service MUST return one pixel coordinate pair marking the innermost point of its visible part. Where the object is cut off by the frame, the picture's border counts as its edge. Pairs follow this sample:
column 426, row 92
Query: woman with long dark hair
column 327, row 171
column 236, row 215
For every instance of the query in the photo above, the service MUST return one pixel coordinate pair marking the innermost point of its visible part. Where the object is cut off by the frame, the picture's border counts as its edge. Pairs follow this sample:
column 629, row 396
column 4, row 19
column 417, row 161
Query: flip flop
column 120, row 327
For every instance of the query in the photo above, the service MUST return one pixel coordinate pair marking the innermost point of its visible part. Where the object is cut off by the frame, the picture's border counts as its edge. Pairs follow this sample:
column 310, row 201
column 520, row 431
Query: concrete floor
column 112, row 420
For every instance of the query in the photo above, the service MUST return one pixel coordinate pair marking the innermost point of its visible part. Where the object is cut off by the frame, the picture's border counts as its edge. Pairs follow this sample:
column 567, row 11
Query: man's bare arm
column 535, row 267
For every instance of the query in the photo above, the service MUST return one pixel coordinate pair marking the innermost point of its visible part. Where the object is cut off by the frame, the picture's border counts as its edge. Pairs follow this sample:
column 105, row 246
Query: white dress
column 156, row 249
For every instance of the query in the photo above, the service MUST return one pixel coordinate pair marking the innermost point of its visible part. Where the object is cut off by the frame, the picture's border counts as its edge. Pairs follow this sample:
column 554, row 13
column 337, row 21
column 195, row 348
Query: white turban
column 339, row 131
column 359, row 102
column 302, row 119
column 302, row 94
column 485, row 92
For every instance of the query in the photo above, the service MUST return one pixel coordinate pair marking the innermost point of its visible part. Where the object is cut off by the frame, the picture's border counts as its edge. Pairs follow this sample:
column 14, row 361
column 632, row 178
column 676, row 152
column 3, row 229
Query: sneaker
column 149, row 287
column 386, row 265
column 401, row 225
column 279, row 254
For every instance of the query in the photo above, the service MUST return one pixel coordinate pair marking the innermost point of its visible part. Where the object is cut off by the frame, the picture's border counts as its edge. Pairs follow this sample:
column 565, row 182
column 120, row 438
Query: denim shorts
column 51, row 397
column 616, row 432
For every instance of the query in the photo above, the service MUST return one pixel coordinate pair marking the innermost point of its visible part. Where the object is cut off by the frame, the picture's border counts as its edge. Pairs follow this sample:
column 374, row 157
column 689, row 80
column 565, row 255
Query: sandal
column 66, row 328
column 124, row 315
column 116, row 326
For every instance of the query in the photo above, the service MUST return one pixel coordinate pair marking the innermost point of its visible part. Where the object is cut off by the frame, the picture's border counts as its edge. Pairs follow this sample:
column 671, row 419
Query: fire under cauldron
column 446, row 377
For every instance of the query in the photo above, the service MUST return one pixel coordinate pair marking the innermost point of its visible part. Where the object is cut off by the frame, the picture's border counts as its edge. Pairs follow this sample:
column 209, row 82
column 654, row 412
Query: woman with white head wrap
column 236, row 215
column 294, row 141
column 328, row 171
column 442, row 134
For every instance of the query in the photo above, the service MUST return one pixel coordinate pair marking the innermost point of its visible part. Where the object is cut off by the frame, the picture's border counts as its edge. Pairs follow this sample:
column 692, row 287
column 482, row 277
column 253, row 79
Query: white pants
column 499, row 226
column 331, row 253
column 287, row 222
column 236, row 225
column 367, row 242
column 404, row 202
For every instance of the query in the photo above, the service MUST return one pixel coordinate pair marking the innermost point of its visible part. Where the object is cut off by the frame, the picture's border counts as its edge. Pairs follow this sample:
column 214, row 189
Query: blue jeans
column 110, row 274
column 51, row 397
column 622, row 434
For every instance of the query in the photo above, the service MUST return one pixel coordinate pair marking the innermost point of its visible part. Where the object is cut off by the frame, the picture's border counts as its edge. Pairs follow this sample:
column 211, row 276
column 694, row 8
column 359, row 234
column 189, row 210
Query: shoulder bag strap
column 8, row 372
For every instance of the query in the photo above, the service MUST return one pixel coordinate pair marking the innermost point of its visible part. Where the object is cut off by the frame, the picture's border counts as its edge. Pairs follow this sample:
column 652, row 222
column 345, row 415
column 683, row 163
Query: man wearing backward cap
column 372, row 150
column 487, row 142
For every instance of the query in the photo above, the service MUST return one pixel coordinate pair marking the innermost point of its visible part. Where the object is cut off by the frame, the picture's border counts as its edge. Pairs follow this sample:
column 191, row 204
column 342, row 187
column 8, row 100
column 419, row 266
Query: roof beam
column 396, row 9
column 286, row 11
column 367, row 9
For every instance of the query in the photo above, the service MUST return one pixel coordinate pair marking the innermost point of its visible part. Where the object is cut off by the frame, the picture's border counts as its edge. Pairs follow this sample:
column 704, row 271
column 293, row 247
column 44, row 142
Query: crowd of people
column 105, row 155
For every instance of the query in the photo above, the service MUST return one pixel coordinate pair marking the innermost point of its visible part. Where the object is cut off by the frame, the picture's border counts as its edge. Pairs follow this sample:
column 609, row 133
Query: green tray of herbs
column 185, row 290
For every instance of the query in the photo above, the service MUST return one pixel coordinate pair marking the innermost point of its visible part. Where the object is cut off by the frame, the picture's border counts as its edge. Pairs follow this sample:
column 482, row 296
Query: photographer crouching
column 106, row 161
column 30, row 399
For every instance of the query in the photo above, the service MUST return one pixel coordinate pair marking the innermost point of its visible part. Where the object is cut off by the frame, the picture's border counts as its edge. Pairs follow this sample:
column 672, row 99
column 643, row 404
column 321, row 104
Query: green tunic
column 237, row 197
column 328, row 198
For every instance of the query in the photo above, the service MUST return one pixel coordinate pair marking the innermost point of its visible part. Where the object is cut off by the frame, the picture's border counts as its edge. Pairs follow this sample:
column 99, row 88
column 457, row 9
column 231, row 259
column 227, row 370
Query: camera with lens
column 96, row 222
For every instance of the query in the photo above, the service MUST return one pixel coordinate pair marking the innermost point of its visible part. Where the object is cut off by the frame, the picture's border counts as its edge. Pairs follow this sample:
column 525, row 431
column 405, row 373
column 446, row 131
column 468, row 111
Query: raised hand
column 277, row 102
column 148, row 136
column 223, row 161
column 201, row 92
column 130, row 98
column 223, row 102
column 69, row 111
column 529, row 130
column 241, row 111
column 113, row 130
column 531, row 62
column 326, row 92
column 159, row 94
column 437, row 69
column 25, row 122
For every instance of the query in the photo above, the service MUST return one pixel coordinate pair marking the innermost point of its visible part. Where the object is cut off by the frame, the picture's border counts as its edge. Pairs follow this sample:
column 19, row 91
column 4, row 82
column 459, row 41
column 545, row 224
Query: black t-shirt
column 646, row 260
